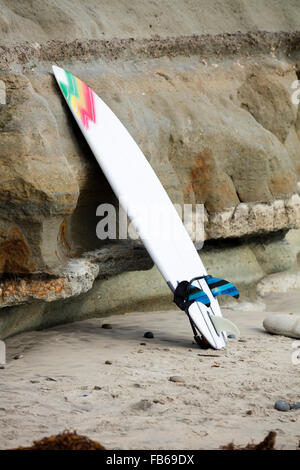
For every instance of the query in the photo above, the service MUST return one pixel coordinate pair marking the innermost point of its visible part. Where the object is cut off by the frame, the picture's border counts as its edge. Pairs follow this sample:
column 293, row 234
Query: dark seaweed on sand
column 267, row 444
column 65, row 441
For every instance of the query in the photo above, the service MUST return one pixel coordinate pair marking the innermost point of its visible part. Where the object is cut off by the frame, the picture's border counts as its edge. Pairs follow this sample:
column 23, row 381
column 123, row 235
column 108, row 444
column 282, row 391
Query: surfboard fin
column 220, row 286
column 223, row 324
column 198, row 295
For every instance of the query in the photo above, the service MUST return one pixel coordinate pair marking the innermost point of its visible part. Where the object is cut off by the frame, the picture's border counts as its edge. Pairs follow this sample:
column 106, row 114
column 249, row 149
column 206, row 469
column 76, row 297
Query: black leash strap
column 181, row 296
column 182, row 292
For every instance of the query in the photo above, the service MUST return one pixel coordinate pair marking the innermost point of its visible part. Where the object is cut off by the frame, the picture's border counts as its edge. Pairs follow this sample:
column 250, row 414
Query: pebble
column 18, row 356
column 107, row 326
column 156, row 401
column 50, row 379
column 295, row 406
column 143, row 344
column 97, row 387
column 282, row 405
column 231, row 336
column 108, row 362
column 176, row 378
column 242, row 341
column 148, row 334
column 142, row 405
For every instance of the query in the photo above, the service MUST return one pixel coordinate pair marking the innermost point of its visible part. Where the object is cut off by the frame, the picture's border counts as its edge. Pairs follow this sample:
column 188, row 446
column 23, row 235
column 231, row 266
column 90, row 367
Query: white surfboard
column 140, row 193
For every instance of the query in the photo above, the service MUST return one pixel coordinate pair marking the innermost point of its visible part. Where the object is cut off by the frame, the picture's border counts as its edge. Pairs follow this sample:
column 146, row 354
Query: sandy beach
column 61, row 380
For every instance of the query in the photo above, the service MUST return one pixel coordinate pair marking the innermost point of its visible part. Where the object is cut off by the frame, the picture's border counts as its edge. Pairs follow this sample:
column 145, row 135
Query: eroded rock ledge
column 254, row 218
column 75, row 278
column 206, row 45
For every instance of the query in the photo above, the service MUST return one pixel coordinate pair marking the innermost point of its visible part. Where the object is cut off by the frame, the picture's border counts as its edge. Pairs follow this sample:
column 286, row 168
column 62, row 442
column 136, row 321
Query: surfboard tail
column 186, row 293
column 220, row 324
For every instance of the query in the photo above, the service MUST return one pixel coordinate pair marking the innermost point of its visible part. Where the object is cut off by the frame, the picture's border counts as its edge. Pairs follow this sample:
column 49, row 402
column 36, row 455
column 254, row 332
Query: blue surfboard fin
column 198, row 295
column 220, row 286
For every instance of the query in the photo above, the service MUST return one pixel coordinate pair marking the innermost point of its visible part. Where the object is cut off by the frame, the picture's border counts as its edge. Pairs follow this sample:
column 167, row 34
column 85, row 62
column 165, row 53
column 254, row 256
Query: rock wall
column 205, row 92
column 67, row 20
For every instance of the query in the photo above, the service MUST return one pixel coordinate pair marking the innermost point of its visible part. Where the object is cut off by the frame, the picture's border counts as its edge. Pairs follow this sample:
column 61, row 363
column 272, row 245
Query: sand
column 62, row 381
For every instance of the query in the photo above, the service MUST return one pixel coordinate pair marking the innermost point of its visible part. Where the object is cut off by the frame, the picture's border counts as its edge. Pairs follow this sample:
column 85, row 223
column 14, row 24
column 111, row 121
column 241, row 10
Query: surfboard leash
column 184, row 296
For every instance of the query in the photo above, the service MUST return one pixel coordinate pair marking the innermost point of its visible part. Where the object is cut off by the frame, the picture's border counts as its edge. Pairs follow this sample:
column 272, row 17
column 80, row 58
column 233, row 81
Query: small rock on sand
column 142, row 405
column 148, row 334
column 295, row 406
column 176, row 378
column 107, row 326
column 282, row 405
column 18, row 356
column 158, row 401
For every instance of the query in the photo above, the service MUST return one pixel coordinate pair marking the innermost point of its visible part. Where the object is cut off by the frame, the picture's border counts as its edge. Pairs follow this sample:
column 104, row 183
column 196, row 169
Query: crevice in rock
column 38, row 276
column 245, row 239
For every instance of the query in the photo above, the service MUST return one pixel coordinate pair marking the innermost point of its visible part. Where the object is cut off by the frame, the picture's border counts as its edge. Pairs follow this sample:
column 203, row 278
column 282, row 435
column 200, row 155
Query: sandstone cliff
column 204, row 88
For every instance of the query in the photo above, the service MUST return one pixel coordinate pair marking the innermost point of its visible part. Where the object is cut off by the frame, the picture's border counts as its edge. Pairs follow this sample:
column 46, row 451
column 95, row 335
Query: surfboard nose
column 55, row 68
